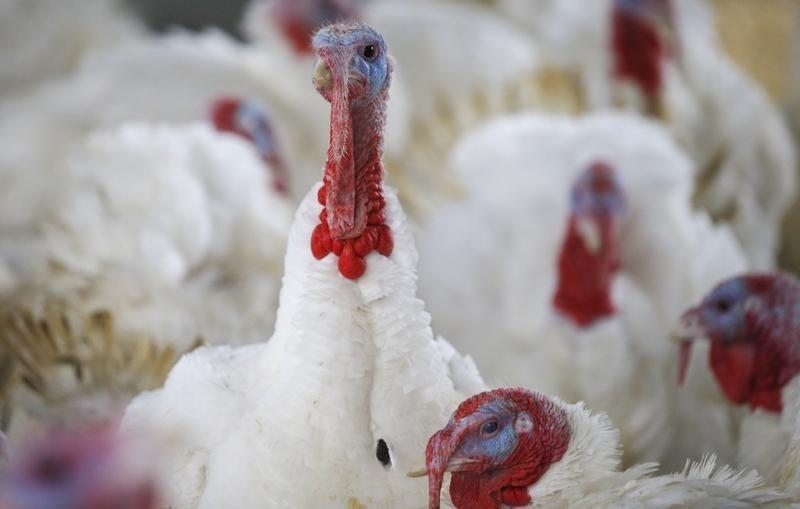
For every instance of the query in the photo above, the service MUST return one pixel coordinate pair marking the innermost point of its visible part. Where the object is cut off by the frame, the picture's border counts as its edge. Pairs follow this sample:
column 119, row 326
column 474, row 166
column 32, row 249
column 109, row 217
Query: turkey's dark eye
column 723, row 305
column 489, row 427
column 370, row 51
column 52, row 469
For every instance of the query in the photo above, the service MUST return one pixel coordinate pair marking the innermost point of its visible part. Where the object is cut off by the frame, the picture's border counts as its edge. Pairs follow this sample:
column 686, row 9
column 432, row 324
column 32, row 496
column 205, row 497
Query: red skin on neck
column 638, row 52
column 753, row 361
column 583, row 294
column 353, row 221
column 755, row 372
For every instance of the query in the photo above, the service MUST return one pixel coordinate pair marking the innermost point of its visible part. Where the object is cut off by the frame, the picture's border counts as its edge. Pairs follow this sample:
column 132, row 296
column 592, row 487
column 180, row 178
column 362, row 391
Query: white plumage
column 744, row 154
column 768, row 442
column 495, row 255
column 41, row 39
column 143, row 242
column 295, row 422
column 587, row 477
column 175, row 79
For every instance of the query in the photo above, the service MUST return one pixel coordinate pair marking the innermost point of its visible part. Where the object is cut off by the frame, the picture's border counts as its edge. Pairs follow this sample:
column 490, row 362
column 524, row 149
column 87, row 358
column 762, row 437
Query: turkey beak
column 687, row 331
column 322, row 78
column 589, row 231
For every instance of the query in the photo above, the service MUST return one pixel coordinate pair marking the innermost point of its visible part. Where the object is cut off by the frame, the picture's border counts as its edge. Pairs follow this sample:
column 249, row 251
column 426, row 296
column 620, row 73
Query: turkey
column 753, row 325
column 244, row 118
column 41, row 40
column 190, row 71
column 146, row 241
column 661, row 57
column 516, row 448
column 339, row 403
column 78, row 469
column 583, row 247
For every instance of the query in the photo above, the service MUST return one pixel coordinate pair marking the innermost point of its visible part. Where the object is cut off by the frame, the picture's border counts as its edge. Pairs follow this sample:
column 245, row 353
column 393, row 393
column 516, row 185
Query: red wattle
column 584, row 278
column 320, row 241
column 377, row 236
column 733, row 367
column 385, row 241
column 515, row 497
column 638, row 52
column 351, row 265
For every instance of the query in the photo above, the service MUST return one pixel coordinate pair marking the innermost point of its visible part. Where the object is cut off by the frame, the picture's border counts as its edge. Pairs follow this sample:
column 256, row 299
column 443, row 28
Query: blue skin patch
column 496, row 447
column 723, row 311
column 374, row 70
column 586, row 202
column 637, row 6
column 251, row 119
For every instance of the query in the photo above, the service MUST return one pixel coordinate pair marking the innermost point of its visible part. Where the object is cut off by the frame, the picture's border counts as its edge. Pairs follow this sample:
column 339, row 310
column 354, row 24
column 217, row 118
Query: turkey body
column 172, row 228
column 507, row 235
column 351, row 365
column 144, row 242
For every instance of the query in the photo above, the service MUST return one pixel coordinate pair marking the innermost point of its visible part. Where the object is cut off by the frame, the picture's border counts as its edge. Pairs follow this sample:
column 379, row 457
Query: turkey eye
column 489, row 427
column 370, row 51
column 723, row 306
column 52, row 470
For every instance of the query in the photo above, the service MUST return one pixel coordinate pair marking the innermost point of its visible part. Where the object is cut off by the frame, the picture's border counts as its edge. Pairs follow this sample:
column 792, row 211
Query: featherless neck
column 587, row 265
column 639, row 53
column 756, row 372
column 352, row 223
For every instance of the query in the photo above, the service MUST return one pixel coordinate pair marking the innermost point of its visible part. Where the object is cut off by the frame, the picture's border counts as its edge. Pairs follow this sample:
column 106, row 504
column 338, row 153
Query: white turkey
column 41, row 40
column 173, row 79
column 578, row 239
column 516, row 448
column 753, row 326
column 661, row 57
column 144, row 241
column 337, row 406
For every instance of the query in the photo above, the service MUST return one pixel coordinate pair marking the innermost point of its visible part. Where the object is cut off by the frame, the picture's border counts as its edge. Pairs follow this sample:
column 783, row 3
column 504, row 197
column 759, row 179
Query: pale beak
column 687, row 331
column 590, row 233
column 417, row 472
column 322, row 76
column 688, row 328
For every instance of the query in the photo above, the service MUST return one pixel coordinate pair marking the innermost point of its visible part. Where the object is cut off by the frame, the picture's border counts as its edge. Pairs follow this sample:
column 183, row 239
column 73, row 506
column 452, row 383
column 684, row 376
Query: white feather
column 298, row 418
column 488, row 271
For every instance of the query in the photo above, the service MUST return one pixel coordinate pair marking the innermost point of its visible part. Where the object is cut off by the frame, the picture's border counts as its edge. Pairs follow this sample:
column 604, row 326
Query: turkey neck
column 585, row 275
column 353, row 171
column 639, row 54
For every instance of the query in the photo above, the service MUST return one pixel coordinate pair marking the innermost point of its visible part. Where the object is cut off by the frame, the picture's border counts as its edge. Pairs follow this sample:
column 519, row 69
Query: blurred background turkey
column 572, row 176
